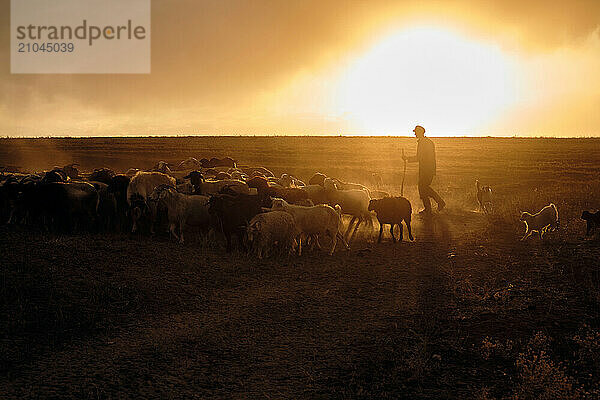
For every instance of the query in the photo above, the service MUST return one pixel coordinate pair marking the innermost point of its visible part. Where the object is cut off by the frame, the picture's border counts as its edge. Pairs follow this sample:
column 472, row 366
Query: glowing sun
column 427, row 75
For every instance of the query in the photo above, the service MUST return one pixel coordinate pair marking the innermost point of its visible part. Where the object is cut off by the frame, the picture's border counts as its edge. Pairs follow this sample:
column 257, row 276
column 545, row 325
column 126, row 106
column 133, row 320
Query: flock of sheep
column 267, row 214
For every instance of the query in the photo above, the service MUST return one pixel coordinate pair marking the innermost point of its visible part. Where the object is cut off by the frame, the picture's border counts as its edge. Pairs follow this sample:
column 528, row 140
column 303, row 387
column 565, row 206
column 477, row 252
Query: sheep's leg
column 401, row 231
column 181, row 225
column 350, row 226
column 339, row 236
column 527, row 234
column 11, row 216
column 410, row 236
column 355, row 230
column 392, row 232
column 300, row 244
column 380, row 232
column 334, row 239
column 172, row 227
column 317, row 243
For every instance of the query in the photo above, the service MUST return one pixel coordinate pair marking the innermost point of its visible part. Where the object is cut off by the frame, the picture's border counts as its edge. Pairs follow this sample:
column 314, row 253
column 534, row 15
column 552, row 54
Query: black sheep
column 392, row 210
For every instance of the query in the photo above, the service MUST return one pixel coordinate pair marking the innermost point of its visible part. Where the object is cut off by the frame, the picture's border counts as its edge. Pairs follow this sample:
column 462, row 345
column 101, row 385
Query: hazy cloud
column 215, row 62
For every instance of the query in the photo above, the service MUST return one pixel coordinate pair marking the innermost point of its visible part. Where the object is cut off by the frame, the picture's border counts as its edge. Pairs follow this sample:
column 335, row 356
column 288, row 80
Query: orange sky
column 332, row 67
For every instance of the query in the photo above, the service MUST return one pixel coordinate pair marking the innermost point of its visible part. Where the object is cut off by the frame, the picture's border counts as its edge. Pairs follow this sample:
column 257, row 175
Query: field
column 464, row 311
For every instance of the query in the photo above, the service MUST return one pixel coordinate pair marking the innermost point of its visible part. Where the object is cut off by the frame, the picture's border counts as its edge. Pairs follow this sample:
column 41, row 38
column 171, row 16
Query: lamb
column 392, row 210
column 270, row 229
column 592, row 220
column 354, row 202
column 316, row 220
column 182, row 209
column 541, row 222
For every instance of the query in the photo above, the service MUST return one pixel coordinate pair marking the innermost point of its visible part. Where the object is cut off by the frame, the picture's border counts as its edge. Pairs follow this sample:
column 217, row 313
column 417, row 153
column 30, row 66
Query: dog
column 484, row 197
column 592, row 220
column 543, row 221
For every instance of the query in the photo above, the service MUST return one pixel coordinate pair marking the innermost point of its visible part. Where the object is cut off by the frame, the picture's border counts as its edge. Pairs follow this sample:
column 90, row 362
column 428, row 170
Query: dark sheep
column 55, row 175
column 231, row 214
column 103, row 175
column 118, row 187
column 71, row 170
column 196, row 178
column 66, row 205
column 9, row 192
column 392, row 210
column 107, row 207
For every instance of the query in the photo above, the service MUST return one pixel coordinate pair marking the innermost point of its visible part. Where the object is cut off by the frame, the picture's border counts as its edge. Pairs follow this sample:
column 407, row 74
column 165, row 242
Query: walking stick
column 403, row 174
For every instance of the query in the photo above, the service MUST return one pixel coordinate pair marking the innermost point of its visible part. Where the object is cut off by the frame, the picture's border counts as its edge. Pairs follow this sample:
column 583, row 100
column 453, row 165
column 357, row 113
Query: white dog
column 484, row 197
column 542, row 222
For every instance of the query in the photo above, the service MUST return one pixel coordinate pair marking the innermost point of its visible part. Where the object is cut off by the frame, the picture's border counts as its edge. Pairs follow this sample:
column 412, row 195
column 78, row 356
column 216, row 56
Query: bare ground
column 129, row 316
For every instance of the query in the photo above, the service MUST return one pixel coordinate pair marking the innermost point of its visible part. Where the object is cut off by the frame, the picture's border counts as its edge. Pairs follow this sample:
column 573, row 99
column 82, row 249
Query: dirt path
column 206, row 324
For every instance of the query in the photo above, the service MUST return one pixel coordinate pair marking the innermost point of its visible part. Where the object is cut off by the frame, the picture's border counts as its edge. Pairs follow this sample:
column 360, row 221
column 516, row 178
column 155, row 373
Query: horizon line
column 296, row 136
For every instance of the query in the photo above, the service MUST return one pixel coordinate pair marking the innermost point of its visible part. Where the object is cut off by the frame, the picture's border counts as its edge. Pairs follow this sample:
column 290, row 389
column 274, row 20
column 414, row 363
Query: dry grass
column 465, row 311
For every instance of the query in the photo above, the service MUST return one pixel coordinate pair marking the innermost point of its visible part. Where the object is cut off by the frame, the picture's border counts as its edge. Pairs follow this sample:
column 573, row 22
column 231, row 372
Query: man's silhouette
column 426, row 158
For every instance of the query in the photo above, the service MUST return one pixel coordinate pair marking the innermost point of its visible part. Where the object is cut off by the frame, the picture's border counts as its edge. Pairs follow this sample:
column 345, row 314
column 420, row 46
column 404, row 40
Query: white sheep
column 541, row 222
column 341, row 185
column 141, row 187
column 268, row 230
column 182, row 209
column 353, row 201
column 316, row 220
column 316, row 193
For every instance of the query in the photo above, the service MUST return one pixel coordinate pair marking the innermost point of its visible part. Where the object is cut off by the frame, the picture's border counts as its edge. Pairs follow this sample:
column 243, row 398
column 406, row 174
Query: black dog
column 593, row 221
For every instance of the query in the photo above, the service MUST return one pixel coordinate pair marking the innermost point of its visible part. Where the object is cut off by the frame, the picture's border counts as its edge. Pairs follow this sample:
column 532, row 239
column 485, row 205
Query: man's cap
column 419, row 129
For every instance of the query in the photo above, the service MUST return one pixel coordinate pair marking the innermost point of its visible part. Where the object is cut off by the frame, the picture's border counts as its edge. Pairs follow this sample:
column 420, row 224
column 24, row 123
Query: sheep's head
column 196, row 178
column 373, row 204
column 524, row 216
column 278, row 204
column 285, row 180
column 329, row 184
